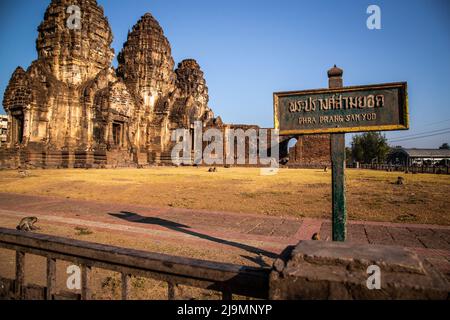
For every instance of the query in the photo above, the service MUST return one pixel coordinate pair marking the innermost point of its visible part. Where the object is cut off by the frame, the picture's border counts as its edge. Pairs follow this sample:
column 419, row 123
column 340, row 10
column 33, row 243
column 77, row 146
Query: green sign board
column 379, row 107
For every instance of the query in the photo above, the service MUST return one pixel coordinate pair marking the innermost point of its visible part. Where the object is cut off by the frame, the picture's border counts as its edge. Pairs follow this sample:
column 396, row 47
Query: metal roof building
column 405, row 156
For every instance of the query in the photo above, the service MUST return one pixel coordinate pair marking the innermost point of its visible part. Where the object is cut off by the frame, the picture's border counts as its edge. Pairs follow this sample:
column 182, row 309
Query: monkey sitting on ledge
column 27, row 224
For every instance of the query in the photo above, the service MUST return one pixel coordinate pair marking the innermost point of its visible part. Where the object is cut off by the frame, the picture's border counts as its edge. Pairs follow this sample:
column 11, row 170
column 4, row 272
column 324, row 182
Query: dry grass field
column 371, row 195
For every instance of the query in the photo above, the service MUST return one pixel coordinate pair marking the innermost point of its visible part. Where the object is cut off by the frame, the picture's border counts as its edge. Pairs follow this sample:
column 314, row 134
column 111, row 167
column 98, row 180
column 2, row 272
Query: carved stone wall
column 75, row 56
column 146, row 63
column 192, row 97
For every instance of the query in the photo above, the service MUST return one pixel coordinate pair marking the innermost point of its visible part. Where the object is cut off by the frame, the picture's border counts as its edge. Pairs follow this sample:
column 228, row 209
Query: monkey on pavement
column 27, row 224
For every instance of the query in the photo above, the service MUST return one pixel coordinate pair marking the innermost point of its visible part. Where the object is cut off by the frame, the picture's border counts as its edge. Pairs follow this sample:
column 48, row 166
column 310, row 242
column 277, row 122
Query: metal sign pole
column 338, row 169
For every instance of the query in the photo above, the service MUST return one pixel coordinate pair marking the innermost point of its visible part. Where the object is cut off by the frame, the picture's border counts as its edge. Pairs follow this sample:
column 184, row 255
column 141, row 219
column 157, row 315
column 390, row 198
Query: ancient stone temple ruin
column 71, row 108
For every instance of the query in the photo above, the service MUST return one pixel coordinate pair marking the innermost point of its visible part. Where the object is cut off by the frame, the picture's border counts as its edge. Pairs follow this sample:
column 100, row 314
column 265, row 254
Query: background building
column 3, row 128
column 411, row 157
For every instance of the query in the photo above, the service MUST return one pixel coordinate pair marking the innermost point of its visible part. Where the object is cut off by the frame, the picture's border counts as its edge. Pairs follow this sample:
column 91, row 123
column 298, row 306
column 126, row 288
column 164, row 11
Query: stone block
column 316, row 270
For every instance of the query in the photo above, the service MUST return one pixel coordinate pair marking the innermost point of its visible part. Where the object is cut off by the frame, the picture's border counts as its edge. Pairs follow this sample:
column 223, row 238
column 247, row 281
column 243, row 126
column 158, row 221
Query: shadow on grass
column 136, row 218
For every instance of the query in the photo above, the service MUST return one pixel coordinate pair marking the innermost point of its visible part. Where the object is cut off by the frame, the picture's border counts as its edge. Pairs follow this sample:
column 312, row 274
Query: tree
column 348, row 154
column 445, row 146
column 369, row 147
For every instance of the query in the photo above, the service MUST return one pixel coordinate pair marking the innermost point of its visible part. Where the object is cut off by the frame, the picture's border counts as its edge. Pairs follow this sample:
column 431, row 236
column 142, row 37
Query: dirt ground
column 371, row 195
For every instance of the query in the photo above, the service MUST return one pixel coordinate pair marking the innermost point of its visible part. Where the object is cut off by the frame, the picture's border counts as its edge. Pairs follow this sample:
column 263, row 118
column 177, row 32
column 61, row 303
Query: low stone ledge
column 316, row 270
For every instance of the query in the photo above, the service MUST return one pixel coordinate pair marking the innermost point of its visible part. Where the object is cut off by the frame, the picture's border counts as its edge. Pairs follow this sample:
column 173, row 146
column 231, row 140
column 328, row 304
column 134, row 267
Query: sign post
column 339, row 110
column 339, row 213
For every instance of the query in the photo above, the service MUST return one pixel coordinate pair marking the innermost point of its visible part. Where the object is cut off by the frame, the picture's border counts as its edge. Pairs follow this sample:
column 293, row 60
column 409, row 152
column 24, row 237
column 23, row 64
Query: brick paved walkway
column 254, row 233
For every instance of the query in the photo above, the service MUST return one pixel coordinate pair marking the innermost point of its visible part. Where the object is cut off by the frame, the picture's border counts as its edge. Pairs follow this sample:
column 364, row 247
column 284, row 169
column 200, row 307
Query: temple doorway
column 18, row 126
column 117, row 133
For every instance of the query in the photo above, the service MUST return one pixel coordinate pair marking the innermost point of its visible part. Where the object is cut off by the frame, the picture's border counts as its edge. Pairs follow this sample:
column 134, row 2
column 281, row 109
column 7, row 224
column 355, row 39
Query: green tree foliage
column 369, row 147
column 445, row 146
column 348, row 154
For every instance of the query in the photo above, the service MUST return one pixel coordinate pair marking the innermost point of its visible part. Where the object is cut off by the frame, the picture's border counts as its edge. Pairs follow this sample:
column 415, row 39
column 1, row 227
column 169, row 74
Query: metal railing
column 226, row 278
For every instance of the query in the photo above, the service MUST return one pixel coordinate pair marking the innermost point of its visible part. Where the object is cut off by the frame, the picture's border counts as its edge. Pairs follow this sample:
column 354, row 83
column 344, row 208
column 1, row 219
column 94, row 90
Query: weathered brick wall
column 311, row 151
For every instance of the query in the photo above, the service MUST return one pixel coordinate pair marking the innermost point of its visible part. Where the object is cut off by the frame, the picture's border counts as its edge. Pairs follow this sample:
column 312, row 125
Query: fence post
column 51, row 278
column 85, row 282
column 20, row 275
column 125, row 286
column 227, row 295
column 171, row 291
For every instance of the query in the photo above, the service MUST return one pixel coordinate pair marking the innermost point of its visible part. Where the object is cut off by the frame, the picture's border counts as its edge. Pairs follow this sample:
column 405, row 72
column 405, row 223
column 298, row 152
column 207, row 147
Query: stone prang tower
column 72, row 109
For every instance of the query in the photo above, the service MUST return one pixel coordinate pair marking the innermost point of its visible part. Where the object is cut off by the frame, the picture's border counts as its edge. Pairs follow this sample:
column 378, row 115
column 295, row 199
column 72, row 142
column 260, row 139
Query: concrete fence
column 310, row 270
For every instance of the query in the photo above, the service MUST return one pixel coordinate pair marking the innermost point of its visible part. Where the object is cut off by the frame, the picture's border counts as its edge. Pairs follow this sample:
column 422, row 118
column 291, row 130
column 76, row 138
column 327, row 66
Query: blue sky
column 249, row 49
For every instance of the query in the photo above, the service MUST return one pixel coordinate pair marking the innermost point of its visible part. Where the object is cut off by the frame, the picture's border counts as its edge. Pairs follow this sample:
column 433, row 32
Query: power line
column 420, row 137
column 425, row 136
column 433, row 123
column 421, row 133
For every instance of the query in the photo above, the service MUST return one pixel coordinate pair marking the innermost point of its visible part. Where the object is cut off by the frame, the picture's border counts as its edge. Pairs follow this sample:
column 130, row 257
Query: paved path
column 250, row 232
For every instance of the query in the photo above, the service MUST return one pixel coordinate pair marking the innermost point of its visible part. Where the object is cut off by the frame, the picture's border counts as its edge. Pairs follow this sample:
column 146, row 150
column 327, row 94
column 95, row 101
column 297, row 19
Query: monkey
column 316, row 237
column 284, row 161
column 400, row 181
column 212, row 169
column 23, row 173
column 27, row 224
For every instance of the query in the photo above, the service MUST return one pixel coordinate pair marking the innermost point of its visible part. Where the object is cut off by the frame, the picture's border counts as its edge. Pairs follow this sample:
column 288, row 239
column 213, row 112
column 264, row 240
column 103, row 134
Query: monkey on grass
column 400, row 181
column 27, row 224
